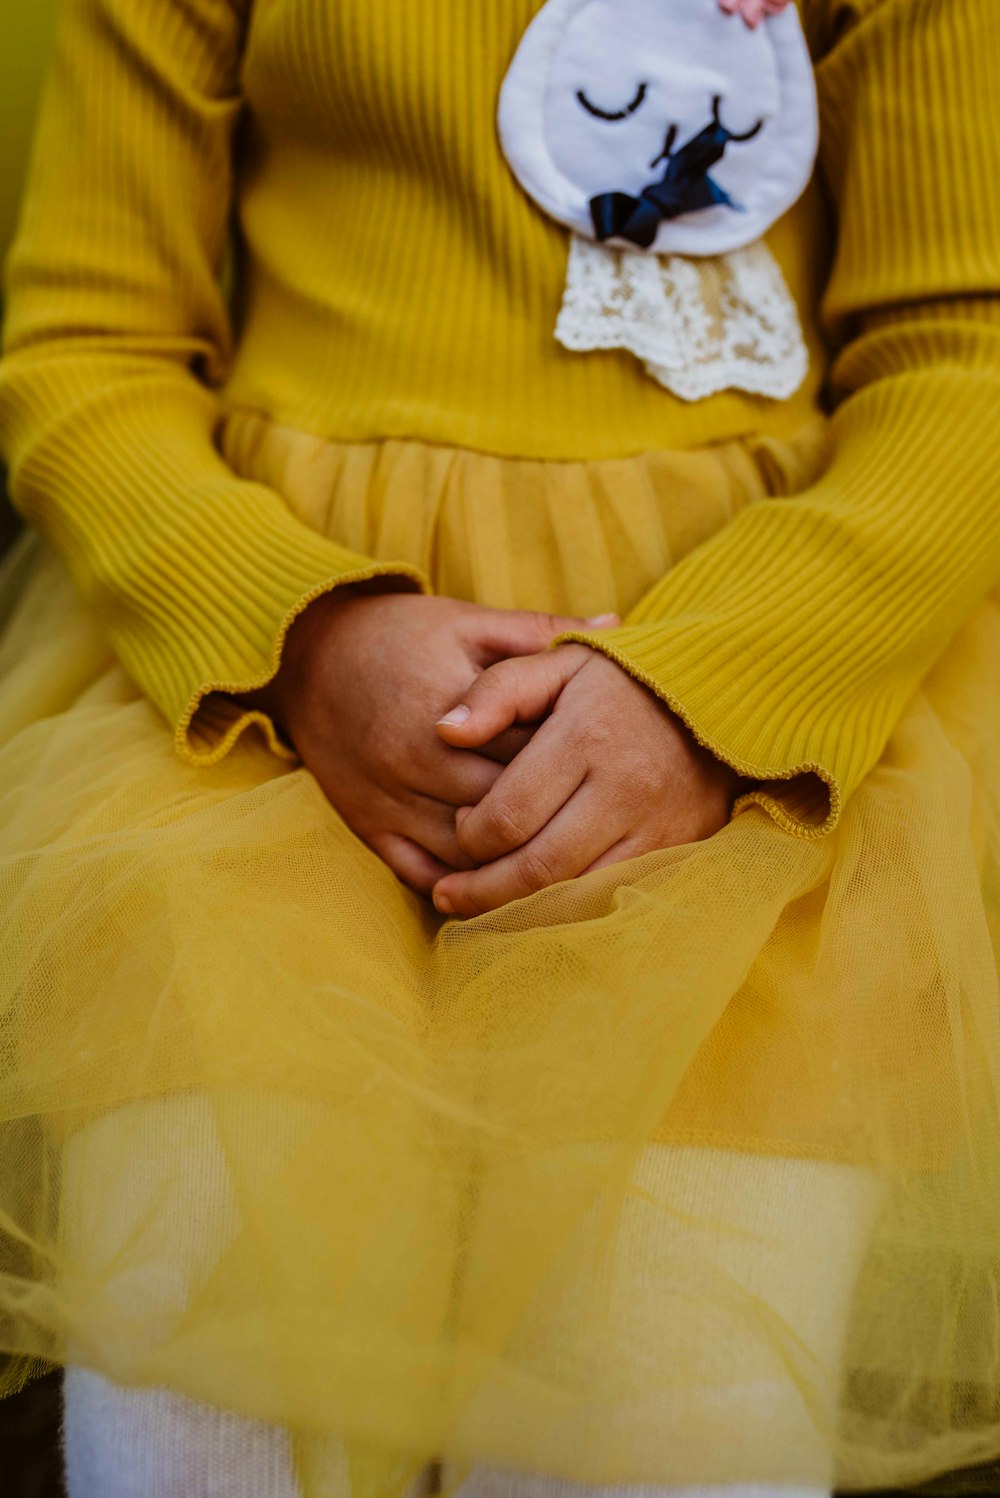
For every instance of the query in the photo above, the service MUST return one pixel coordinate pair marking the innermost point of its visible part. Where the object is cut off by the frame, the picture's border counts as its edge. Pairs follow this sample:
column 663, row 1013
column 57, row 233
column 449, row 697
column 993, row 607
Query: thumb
column 504, row 632
column 519, row 690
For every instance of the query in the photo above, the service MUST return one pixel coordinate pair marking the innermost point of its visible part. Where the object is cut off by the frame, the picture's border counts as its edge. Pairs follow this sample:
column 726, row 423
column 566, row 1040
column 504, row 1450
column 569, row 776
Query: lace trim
column 726, row 322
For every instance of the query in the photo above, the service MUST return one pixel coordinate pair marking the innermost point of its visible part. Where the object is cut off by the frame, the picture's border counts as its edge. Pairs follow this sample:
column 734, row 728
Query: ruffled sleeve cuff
column 215, row 612
column 212, row 721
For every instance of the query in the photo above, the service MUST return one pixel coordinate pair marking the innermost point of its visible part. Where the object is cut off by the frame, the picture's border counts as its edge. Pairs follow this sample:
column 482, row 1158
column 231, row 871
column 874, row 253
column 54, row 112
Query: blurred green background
column 25, row 33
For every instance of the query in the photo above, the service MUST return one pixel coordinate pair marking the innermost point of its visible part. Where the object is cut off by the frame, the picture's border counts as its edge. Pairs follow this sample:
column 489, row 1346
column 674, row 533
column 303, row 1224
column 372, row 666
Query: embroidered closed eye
column 717, row 121
column 613, row 114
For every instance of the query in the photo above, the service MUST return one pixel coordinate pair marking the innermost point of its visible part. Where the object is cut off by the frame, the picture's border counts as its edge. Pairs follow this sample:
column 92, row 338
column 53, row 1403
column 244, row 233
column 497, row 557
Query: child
column 501, row 763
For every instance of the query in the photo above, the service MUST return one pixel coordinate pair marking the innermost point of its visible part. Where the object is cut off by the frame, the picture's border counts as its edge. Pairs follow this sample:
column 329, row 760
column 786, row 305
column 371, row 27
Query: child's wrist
column 275, row 697
column 306, row 636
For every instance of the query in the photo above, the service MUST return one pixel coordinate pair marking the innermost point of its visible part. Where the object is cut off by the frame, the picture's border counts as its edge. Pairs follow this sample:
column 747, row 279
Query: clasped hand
column 480, row 764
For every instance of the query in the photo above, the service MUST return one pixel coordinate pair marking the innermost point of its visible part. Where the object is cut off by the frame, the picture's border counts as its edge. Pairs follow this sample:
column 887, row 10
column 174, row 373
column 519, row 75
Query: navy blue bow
column 684, row 187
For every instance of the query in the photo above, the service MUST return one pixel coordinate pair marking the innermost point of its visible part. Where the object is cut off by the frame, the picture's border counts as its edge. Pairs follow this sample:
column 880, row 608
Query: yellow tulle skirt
column 683, row 1172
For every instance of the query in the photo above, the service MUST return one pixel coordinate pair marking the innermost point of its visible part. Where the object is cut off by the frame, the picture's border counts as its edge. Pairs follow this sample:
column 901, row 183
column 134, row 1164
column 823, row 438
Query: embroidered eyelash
column 620, row 114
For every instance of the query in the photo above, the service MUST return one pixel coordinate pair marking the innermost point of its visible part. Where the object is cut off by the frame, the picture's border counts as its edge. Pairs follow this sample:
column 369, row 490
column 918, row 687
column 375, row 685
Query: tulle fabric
column 571, row 1187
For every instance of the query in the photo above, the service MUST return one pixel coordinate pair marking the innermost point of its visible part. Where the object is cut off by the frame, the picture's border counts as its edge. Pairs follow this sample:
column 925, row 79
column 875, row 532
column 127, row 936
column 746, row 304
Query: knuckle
column 535, row 870
column 546, row 625
column 503, row 822
column 493, row 682
column 595, row 733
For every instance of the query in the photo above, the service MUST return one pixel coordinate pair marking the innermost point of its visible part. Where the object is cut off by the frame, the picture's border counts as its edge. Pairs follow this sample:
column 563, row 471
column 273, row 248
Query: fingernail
column 601, row 621
column 443, row 905
column 456, row 716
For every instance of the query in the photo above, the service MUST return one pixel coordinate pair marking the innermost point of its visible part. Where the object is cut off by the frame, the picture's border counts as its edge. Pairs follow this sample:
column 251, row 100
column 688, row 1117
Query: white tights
column 137, row 1443
column 132, row 1443
column 811, row 1219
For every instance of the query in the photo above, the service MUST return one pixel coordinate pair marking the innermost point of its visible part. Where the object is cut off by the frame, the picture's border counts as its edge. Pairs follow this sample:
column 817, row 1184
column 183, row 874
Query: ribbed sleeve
column 116, row 331
column 792, row 639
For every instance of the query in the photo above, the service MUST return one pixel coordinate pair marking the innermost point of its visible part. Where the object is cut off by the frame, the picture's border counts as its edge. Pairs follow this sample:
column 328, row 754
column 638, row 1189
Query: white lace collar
column 699, row 326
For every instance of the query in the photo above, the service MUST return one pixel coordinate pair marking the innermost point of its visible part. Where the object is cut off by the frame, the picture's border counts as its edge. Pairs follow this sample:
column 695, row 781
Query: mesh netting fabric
column 681, row 1172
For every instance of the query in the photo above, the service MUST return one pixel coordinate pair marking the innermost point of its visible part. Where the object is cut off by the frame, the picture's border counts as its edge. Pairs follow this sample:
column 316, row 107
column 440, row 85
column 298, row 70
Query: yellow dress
column 274, row 1134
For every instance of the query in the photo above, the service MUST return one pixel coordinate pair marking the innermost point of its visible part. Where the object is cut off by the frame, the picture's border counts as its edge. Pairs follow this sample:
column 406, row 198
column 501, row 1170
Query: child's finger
column 409, row 862
column 506, row 632
column 528, row 794
column 520, row 690
column 431, row 825
column 624, row 849
column 458, row 777
column 507, row 745
column 572, row 840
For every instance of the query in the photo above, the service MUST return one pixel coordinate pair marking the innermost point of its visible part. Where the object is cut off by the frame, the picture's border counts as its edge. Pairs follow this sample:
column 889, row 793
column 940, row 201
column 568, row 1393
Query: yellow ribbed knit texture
column 581, row 1187
column 394, row 281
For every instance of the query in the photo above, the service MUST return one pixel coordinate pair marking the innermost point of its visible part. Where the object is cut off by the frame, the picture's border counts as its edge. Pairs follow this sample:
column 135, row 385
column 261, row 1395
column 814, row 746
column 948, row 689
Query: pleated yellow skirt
column 541, row 1189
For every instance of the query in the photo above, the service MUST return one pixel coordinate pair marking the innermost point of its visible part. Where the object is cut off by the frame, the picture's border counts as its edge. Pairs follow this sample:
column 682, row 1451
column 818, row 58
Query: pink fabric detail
column 753, row 11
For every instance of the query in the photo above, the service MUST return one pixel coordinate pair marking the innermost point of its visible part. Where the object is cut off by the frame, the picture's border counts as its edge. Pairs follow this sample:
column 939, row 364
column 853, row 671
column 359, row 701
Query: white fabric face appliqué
column 662, row 129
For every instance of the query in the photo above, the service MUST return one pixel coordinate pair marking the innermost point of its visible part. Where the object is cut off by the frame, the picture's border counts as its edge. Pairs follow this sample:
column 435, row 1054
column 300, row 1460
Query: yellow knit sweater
column 393, row 280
